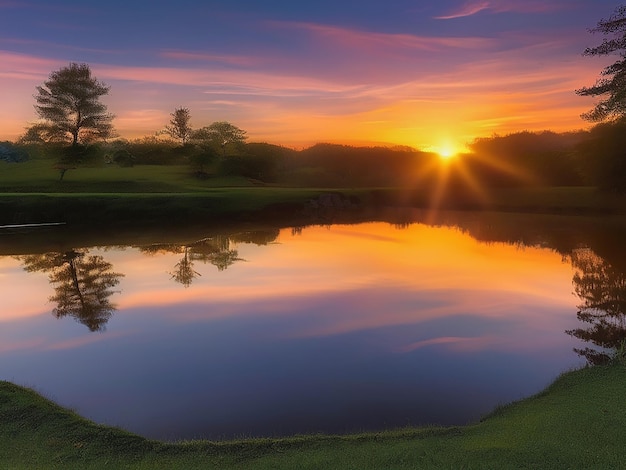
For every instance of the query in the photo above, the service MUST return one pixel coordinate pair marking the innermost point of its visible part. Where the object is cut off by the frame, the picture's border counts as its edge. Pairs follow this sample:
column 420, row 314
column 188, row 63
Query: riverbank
column 280, row 204
column 577, row 422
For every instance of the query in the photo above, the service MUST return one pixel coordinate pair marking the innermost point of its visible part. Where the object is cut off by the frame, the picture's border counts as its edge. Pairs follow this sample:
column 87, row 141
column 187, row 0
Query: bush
column 11, row 153
column 123, row 158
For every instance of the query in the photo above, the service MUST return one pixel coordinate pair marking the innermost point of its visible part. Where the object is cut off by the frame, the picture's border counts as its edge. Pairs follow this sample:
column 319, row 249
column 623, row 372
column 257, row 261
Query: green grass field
column 576, row 423
column 31, row 192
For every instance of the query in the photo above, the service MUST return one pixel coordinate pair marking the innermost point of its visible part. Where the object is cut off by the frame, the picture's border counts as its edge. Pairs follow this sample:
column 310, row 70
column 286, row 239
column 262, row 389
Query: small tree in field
column 222, row 135
column 69, row 105
column 612, row 85
column 179, row 127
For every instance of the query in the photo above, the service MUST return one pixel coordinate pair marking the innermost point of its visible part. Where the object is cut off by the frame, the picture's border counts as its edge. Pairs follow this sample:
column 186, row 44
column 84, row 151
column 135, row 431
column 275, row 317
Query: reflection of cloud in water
column 85, row 340
column 457, row 343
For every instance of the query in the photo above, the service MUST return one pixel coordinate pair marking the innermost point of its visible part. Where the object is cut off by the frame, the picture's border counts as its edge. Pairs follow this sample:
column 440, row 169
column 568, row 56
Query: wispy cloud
column 24, row 66
column 345, row 37
column 472, row 7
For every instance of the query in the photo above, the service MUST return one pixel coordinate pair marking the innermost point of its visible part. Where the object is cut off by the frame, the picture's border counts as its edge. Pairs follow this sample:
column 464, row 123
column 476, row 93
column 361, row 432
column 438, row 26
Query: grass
column 577, row 422
column 38, row 176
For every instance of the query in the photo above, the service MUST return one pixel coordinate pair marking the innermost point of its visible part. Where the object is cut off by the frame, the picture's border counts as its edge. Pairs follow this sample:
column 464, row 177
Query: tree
column 601, row 156
column 69, row 102
column 613, row 81
column 179, row 127
column 222, row 134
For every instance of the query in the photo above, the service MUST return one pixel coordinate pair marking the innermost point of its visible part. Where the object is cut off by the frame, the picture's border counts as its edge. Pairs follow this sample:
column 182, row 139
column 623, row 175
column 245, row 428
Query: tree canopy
column 612, row 84
column 222, row 134
column 69, row 105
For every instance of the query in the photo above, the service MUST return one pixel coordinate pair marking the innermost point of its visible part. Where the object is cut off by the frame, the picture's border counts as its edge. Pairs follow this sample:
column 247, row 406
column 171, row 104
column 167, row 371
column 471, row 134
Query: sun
column 446, row 152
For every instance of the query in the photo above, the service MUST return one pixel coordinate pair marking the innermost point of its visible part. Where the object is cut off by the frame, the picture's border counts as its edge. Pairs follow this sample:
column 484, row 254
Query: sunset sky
column 413, row 72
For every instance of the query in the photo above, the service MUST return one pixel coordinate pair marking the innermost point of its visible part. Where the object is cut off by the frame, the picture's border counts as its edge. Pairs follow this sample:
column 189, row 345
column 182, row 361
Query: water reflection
column 324, row 328
column 602, row 289
column 215, row 250
column 82, row 285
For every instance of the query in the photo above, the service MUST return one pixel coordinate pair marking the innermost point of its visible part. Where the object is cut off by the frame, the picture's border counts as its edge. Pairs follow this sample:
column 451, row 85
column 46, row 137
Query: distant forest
column 595, row 157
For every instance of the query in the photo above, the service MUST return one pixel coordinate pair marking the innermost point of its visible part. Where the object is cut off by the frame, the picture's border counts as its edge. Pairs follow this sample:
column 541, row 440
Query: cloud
column 468, row 9
column 472, row 7
column 369, row 41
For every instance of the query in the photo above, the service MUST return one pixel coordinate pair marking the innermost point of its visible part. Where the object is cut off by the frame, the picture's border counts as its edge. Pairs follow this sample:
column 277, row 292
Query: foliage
column 123, row 158
column 152, row 151
column 543, row 158
column 69, row 103
column 331, row 165
column 202, row 157
column 223, row 135
column 613, row 81
column 12, row 153
column 179, row 127
column 43, row 133
column 602, row 156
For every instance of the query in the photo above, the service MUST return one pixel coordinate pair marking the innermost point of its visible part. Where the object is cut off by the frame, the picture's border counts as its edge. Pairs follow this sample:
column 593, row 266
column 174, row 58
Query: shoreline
column 575, row 422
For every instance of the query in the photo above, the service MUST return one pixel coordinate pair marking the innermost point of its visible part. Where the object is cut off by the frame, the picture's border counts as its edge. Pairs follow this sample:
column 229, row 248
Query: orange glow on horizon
column 375, row 113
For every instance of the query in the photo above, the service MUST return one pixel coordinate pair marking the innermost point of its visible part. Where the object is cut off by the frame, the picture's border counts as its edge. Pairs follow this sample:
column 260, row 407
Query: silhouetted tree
column 69, row 103
column 613, row 81
column 82, row 285
column 602, row 156
column 222, row 134
column 179, row 127
column 602, row 290
column 526, row 158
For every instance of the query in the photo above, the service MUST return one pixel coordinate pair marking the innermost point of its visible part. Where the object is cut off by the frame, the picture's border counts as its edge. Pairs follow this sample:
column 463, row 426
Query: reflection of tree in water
column 82, row 285
column 184, row 273
column 602, row 290
column 214, row 250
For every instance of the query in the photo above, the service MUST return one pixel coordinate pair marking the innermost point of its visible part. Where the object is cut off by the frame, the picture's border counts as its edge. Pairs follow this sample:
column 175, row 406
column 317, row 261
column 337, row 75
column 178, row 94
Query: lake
column 339, row 328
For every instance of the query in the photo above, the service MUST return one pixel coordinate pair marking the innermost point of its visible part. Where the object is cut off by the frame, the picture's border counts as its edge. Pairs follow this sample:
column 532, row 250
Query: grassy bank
column 31, row 192
column 577, row 422
column 281, row 204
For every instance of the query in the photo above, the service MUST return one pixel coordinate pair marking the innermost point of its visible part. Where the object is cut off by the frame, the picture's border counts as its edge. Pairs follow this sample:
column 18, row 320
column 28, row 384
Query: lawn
column 577, row 422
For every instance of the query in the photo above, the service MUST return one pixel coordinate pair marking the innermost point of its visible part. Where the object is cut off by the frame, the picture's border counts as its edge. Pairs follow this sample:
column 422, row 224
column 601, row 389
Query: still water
column 272, row 332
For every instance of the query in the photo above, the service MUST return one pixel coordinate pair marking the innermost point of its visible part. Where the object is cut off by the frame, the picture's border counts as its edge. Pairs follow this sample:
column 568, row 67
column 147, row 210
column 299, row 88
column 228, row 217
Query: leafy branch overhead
column 612, row 84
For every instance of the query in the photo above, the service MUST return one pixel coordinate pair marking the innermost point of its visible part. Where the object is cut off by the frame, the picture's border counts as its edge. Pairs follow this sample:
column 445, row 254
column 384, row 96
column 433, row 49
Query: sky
column 431, row 75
